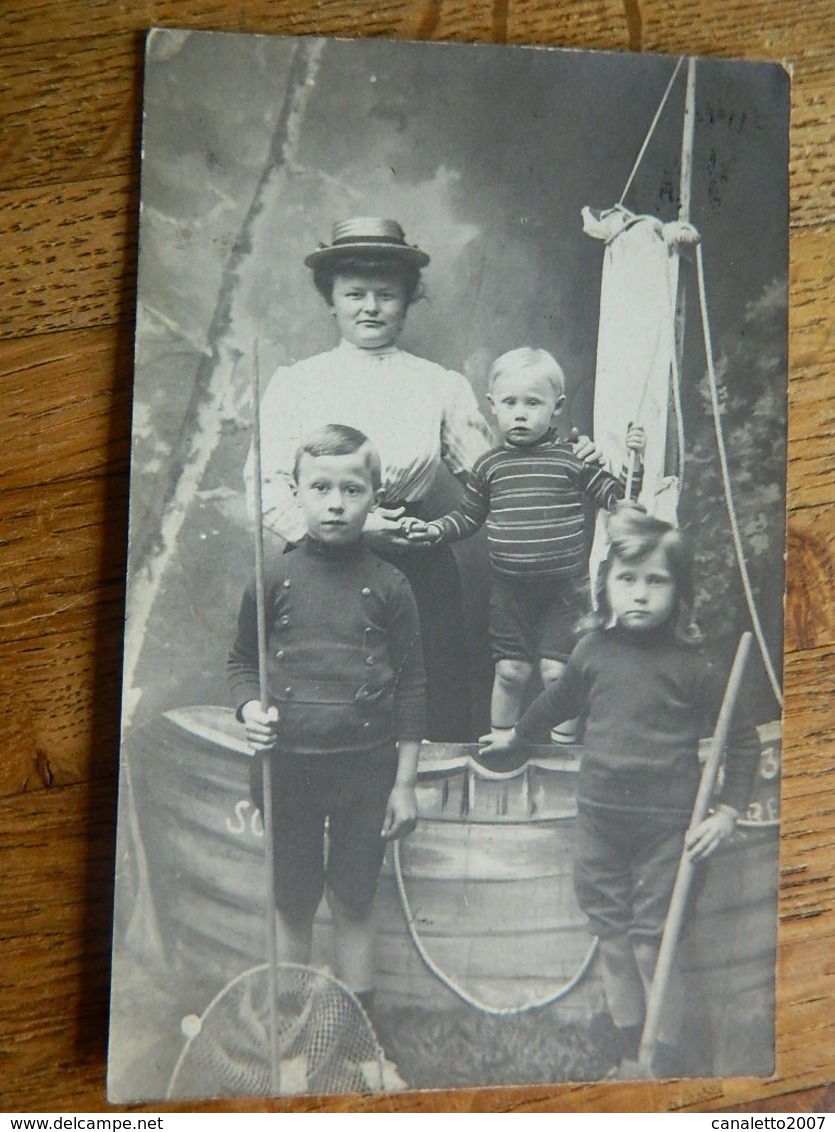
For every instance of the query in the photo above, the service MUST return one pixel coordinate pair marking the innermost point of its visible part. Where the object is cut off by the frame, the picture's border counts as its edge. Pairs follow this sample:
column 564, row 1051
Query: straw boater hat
column 367, row 235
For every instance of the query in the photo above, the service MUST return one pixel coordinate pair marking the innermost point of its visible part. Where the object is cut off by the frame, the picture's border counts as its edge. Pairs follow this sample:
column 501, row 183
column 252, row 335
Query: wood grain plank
column 806, row 934
column 37, row 21
column 70, row 115
column 810, row 573
column 810, row 471
column 68, row 257
column 813, row 107
column 664, row 25
column 736, row 29
column 72, row 391
column 810, row 714
column 812, row 372
column 811, row 277
column 58, row 852
column 62, row 569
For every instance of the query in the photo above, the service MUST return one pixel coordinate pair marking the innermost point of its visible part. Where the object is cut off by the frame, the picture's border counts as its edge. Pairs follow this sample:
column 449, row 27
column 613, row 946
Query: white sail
column 635, row 350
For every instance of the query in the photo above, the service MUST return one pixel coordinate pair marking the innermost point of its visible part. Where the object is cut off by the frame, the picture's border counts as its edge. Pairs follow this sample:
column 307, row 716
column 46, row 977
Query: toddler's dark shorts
column 531, row 618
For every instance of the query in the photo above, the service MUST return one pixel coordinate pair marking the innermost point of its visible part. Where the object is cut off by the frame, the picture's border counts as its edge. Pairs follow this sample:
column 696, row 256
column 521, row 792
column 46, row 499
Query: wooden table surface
column 70, row 77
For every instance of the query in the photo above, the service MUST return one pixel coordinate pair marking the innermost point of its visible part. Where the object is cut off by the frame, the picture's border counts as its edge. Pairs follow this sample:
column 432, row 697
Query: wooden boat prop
column 476, row 906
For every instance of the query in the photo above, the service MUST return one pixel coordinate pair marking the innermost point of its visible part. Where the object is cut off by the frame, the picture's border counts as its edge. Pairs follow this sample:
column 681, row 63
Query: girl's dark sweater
column 646, row 700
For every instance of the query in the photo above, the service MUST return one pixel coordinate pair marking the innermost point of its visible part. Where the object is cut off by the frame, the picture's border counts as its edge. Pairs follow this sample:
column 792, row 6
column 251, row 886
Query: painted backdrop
column 253, row 146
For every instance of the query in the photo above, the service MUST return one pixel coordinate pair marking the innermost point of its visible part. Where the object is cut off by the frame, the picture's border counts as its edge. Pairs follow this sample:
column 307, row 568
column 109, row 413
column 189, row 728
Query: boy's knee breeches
column 345, row 793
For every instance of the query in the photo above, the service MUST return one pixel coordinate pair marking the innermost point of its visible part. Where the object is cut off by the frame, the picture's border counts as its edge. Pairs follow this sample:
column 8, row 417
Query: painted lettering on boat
column 764, row 806
column 247, row 818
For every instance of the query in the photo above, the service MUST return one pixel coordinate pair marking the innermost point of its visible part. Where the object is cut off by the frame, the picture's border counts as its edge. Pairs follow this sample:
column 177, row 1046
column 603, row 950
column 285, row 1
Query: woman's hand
column 261, row 726
column 585, row 449
column 383, row 528
column 704, row 839
column 420, row 533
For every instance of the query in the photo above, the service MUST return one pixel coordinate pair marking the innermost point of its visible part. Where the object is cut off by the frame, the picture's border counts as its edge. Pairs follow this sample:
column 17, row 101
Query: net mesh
column 324, row 1041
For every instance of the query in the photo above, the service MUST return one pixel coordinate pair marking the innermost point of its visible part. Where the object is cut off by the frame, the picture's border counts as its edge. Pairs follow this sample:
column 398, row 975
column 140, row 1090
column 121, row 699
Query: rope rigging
column 651, row 130
column 726, row 483
column 675, row 378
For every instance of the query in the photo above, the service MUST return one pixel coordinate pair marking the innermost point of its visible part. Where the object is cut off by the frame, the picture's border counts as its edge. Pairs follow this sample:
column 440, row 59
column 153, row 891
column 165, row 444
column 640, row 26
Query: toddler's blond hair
column 539, row 362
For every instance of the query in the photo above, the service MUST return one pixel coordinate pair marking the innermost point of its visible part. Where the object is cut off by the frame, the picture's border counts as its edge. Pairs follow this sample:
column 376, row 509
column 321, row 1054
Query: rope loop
column 449, row 982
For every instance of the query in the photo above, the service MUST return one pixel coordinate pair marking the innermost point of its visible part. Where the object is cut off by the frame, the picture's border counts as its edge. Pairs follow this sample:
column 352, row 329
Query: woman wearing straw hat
column 416, row 413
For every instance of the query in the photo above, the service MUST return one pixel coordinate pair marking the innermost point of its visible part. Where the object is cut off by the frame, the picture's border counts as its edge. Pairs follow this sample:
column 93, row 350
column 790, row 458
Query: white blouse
column 415, row 412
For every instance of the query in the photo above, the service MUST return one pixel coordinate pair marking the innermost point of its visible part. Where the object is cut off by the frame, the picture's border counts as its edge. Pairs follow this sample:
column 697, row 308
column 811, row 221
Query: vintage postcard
column 452, row 706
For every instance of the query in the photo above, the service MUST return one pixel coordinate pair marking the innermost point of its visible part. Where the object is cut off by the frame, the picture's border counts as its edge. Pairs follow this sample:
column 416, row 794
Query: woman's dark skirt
column 436, row 584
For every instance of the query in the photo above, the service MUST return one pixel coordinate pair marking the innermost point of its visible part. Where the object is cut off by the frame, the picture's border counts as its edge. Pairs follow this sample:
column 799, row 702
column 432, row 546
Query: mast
column 684, row 190
column 688, row 132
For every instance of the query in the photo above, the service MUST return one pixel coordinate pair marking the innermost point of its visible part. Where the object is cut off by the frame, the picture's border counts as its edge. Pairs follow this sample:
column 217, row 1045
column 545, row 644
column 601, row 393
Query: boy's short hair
column 539, row 362
column 341, row 440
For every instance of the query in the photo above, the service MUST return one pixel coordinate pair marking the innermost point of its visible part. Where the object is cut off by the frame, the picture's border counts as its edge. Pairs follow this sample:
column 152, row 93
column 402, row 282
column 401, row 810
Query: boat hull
column 480, row 905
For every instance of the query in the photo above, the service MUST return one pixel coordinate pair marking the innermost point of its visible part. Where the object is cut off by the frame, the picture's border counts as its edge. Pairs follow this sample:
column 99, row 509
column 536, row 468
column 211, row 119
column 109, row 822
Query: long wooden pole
column 684, row 196
column 261, row 613
column 266, row 760
column 688, row 135
column 686, row 868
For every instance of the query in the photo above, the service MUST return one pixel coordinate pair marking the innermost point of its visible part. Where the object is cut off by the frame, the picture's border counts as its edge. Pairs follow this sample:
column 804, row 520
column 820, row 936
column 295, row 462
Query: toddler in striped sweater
column 530, row 492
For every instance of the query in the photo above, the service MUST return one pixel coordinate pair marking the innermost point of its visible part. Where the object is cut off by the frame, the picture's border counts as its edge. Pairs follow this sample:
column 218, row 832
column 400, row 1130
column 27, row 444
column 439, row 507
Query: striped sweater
column 531, row 498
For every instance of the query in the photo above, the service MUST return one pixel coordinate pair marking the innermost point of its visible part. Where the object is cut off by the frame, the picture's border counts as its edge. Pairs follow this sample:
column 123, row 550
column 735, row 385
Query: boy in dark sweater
column 346, row 716
column 530, row 492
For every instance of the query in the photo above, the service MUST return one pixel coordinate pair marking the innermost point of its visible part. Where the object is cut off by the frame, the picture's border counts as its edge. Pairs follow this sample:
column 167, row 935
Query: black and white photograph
column 451, row 718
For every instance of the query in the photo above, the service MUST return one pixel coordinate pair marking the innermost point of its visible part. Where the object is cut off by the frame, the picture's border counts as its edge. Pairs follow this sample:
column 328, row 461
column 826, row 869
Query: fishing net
column 324, row 1041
